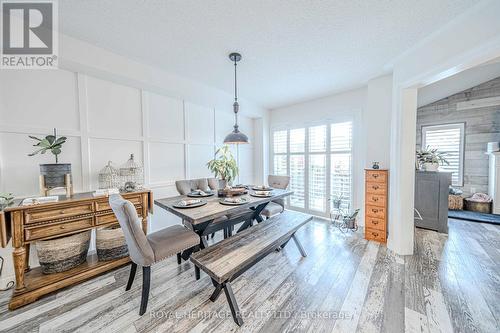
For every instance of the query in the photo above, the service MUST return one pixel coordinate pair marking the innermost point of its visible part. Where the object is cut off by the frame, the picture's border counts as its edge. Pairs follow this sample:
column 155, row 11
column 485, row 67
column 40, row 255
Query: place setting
column 233, row 201
column 189, row 203
column 261, row 194
column 200, row 194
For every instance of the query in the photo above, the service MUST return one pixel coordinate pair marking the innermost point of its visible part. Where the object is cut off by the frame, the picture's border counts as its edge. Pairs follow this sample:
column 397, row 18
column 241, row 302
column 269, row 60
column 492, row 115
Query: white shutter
column 447, row 139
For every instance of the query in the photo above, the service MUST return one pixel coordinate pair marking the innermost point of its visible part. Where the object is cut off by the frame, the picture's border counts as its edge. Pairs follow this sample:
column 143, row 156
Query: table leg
column 200, row 230
column 256, row 216
column 19, row 257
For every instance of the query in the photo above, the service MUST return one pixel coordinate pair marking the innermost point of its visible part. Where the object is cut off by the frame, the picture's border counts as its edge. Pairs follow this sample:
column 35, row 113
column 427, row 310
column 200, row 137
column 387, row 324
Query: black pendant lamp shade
column 235, row 137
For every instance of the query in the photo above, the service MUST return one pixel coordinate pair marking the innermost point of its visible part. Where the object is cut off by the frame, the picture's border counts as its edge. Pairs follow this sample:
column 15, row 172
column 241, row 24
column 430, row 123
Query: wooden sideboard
column 80, row 212
column 376, row 201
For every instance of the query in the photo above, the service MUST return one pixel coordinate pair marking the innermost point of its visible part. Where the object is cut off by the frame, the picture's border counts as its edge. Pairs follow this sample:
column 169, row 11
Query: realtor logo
column 29, row 34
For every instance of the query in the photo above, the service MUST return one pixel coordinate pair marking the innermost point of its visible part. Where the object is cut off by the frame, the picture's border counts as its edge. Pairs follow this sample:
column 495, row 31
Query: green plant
column 50, row 142
column 428, row 155
column 224, row 165
column 6, row 197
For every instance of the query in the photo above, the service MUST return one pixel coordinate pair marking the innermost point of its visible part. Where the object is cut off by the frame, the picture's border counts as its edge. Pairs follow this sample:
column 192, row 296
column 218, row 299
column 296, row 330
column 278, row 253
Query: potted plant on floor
column 224, row 166
column 428, row 159
column 53, row 173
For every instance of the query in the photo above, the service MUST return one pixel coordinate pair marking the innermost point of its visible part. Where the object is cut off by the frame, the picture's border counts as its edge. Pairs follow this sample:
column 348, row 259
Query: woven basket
column 110, row 243
column 475, row 206
column 64, row 253
column 455, row 202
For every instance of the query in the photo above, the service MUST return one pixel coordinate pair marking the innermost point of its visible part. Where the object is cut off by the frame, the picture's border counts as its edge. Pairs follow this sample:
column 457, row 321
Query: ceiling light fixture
column 235, row 137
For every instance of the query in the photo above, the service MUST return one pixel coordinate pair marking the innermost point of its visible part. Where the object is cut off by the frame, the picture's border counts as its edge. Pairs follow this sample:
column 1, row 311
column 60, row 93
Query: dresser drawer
column 375, row 223
column 375, row 211
column 34, row 215
column 376, row 188
column 104, row 203
column 375, row 200
column 376, row 235
column 376, row 176
column 111, row 218
column 45, row 231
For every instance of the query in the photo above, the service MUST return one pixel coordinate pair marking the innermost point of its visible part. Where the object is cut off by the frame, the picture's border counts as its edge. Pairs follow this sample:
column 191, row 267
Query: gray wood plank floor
column 345, row 284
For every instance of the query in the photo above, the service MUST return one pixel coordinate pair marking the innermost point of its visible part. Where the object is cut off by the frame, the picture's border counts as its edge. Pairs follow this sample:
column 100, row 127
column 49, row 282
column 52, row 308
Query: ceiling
column 292, row 50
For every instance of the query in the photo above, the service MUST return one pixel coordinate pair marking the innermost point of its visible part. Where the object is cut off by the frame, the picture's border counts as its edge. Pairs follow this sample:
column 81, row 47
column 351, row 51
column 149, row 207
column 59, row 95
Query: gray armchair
column 145, row 250
column 276, row 206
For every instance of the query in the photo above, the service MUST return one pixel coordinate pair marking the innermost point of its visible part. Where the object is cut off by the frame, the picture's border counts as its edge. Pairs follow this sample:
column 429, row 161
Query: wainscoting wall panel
column 104, row 121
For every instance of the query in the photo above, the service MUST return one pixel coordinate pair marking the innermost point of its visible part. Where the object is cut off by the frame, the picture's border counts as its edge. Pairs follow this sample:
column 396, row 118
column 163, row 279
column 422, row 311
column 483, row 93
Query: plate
column 195, row 195
column 259, row 188
column 260, row 195
column 243, row 201
column 178, row 205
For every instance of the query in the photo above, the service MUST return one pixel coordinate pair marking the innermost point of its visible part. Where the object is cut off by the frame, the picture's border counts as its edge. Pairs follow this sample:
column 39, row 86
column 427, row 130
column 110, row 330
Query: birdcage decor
column 131, row 175
column 108, row 177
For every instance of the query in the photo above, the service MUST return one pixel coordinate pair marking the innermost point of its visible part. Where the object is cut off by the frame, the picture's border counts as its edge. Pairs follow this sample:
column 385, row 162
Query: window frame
column 307, row 153
column 461, row 127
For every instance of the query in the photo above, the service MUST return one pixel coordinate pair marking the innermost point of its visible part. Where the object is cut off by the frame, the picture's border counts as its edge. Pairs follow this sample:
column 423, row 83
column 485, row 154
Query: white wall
column 110, row 106
column 347, row 106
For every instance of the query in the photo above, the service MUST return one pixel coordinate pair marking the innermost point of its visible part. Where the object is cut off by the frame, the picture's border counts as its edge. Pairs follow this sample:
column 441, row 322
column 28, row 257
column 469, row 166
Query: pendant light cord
column 235, row 83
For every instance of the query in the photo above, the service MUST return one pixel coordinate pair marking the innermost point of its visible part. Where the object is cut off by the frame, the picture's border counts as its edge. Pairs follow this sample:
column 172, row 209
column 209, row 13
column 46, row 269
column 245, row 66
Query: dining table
column 201, row 219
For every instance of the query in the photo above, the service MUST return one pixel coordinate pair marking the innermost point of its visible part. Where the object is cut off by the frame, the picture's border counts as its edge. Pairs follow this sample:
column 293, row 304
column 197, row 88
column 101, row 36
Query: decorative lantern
column 131, row 175
column 108, row 177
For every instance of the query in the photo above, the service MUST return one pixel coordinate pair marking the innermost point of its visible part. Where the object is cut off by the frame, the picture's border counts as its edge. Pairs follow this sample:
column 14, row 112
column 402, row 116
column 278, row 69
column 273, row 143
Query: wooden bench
column 230, row 258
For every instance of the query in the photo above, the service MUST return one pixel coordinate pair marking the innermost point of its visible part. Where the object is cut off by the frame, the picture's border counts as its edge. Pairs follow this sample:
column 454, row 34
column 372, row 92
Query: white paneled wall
column 104, row 121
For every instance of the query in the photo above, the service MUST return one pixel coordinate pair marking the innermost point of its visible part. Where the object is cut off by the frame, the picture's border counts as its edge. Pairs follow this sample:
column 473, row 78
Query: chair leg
column 133, row 269
column 179, row 259
column 146, row 280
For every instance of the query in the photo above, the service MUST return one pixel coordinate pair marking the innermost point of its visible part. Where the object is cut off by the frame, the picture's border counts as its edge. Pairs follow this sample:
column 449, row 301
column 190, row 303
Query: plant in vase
column 224, row 166
column 428, row 159
column 54, row 174
column 5, row 199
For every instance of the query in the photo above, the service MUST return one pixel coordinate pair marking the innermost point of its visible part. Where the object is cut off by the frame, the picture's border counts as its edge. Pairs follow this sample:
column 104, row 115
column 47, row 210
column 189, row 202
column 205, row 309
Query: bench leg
column 235, row 311
column 217, row 291
column 197, row 272
column 179, row 259
column 299, row 246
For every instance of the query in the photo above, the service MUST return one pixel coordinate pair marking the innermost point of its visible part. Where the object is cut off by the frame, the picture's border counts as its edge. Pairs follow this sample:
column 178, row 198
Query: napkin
column 199, row 192
column 189, row 202
column 266, row 193
column 233, row 200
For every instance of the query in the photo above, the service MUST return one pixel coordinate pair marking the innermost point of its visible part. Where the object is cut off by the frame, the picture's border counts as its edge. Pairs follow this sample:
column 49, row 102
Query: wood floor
column 346, row 284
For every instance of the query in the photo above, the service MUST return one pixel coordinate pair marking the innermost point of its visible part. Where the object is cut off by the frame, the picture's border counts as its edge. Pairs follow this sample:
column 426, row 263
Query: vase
column 55, row 174
column 431, row 166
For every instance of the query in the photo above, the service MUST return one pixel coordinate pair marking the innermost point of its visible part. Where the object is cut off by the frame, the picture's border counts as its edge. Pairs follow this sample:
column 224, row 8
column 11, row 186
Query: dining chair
column 276, row 206
column 145, row 250
column 187, row 186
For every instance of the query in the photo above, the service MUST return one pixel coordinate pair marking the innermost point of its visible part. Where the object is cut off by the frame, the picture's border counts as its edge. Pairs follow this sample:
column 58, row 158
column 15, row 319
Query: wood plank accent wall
column 482, row 125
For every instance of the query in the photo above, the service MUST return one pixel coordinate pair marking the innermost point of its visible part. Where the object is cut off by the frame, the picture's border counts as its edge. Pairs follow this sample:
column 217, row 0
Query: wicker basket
column 455, row 202
column 64, row 253
column 480, row 207
column 110, row 243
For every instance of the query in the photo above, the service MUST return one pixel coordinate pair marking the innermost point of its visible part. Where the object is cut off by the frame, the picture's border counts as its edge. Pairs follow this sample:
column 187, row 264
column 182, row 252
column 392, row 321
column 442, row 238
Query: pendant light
column 235, row 137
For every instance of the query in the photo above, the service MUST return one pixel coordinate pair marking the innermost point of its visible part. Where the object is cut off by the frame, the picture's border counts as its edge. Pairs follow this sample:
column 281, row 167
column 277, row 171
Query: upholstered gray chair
column 276, row 206
column 187, row 186
column 145, row 250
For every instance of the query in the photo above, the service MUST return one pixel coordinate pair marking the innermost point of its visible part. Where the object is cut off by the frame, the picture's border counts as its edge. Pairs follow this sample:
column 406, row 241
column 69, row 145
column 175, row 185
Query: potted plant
column 428, row 159
column 54, row 173
column 224, row 166
column 5, row 199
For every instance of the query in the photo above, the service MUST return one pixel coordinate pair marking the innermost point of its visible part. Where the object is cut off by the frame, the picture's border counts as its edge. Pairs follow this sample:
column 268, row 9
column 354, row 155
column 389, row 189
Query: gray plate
column 256, row 188
column 222, row 202
column 260, row 195
column 194, row 195
column 178, row 205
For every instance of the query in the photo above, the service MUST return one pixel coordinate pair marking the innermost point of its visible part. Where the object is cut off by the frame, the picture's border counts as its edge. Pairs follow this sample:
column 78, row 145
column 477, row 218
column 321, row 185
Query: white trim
column 84, row 126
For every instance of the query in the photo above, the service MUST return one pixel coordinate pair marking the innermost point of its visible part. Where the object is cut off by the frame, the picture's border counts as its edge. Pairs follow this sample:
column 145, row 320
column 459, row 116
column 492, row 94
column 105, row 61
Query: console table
column 80, row 212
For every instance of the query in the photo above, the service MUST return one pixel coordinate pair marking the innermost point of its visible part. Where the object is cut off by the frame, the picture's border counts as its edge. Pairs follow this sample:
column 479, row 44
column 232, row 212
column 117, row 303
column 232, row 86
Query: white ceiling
column 292, row 50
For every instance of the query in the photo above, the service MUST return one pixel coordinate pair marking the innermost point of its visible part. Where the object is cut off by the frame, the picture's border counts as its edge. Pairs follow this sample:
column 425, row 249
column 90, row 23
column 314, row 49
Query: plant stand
column 68, row 186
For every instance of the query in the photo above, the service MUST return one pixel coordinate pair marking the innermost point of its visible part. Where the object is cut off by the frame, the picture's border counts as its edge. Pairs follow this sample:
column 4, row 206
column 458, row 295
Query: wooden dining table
column 201, row 219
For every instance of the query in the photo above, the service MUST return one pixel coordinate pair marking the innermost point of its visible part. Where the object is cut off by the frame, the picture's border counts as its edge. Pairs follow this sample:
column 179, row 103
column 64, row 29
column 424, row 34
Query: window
column 449, row 139
column 318, row 160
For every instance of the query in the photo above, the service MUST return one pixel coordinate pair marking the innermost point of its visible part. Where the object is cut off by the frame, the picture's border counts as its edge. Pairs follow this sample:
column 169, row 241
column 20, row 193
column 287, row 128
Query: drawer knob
column 375, row 234
column 375, row 210
column 375, row 199
column 374, row 222
column 62, row 227
column 375, row 176
column 62, row 212
column 375, row 187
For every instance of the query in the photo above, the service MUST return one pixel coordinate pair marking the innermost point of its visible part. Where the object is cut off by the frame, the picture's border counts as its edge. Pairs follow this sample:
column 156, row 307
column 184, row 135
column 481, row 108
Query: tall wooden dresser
column 376, row 200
